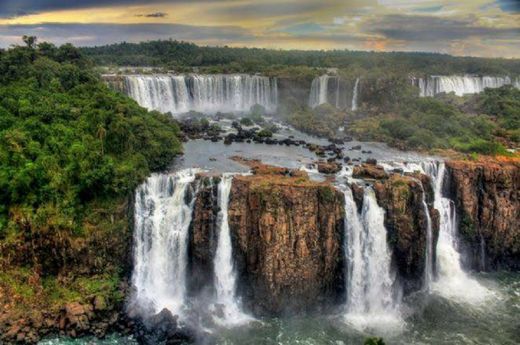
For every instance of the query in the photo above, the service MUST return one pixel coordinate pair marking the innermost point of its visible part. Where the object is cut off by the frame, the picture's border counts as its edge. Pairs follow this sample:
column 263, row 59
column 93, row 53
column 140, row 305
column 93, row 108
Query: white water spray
column 225, row 276
column 319, row 91
column 372, row 302
column 355, row 95
column 163, row 213
column 460, row 85
column 204, row 93
column 428, row 261
column 453, row 282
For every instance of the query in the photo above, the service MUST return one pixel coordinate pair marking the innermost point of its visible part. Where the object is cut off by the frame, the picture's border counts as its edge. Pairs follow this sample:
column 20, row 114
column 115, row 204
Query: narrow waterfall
column 372, row 301
column 428, row 261
column 203, row 93
column 355, row 95
column 225, row 276
column 460, row 85
column 163, row 211
column 453, row 282
column 337, row 95
column 319, row 91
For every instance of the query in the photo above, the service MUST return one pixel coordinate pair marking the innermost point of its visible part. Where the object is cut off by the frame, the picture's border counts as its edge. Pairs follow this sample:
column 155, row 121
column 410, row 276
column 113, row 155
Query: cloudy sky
column 465, row 27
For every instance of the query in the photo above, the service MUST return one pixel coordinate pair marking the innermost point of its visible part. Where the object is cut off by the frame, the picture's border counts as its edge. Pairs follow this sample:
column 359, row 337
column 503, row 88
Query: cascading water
column 460, row 85
column 163, row 212
column 335, row 91
column 428, row 261
column 355, row 95
column 452, row 281
column 204, row 93
column 225, row 277
column 372, row 301
column 319, row 91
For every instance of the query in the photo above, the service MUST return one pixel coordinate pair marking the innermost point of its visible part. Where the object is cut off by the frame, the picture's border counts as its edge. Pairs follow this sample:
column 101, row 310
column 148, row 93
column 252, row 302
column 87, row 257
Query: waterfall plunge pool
column 424, row 319
column 432, row 320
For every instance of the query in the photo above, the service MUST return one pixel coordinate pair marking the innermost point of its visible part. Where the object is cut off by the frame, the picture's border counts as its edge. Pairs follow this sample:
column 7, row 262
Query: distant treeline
column 183, row 56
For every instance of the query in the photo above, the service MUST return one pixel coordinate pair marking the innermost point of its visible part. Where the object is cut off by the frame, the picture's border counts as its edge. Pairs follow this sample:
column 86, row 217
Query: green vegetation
column 429, row 123
column 71, row 153
column 66, row 139
column 246, row 121
column 374, row 341
column 182, row 56
column 323, row 120
column 504, row 104
column 265, row 133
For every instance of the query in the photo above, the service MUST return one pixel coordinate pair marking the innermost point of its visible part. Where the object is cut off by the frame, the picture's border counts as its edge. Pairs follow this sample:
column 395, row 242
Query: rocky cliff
column 287, row 234
column 56, row 281
column 487, row 196
column 406, row 223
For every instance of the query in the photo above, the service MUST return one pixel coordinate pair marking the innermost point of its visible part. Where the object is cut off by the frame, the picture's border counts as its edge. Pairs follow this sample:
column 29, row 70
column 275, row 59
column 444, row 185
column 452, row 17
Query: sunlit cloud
column 474, row 27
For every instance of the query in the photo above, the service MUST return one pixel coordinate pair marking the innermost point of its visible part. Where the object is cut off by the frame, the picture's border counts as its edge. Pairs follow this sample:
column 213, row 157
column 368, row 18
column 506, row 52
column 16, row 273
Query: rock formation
column 406, row 223
column 487, row 195
column 287, row 234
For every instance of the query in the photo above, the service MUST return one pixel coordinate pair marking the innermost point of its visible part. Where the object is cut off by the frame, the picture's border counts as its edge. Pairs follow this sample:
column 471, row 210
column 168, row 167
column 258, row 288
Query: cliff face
column 406, row 223
column 287, row 234
column 487, row 196
column 203, row 236
column 55, row 281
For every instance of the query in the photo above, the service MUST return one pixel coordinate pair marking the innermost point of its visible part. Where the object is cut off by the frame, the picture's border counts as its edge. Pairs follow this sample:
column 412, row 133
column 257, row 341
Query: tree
column 30, row 41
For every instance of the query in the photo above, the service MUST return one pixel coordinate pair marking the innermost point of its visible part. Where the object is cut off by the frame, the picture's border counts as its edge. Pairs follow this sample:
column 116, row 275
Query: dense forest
column 182, row 56
column 71, row 153
column 486, row 123
column 479, row 124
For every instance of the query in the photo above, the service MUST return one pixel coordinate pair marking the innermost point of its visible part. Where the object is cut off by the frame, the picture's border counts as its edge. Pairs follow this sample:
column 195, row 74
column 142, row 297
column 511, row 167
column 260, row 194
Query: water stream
column 225, row 276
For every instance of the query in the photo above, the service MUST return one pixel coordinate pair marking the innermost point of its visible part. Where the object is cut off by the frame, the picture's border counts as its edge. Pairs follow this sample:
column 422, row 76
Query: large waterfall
column 460, row 85
column 319, row 91
column 203, row 93
column 225, row 277
column 335, row 91
column 372, row 301
column 163, row 212
column 452, row 281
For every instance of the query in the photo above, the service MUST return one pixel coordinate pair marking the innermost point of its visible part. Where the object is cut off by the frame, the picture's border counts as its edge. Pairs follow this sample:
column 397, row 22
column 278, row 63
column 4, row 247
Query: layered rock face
column 406, row 222
column 287, row 234
column 203, row 235
column 487, row 195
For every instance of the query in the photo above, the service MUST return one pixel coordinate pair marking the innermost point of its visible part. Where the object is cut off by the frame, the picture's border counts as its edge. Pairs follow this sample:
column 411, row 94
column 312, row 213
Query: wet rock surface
column 487, row 196
column 287, row 233
column 406, row 223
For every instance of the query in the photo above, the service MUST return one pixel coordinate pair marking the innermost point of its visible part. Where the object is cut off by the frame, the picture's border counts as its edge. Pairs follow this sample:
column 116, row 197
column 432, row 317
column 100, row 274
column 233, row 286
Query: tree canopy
column 66, row 139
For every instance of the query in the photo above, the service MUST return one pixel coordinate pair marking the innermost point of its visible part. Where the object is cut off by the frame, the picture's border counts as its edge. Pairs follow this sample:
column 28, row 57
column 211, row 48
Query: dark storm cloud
column 153, row 15
column 509, row 5
column 13, row 8
column 425, row 28
column 98, row 34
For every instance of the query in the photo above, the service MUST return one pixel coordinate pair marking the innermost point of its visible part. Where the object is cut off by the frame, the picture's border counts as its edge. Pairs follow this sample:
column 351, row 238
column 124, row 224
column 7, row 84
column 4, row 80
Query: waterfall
column 203, row 93
column 225, row 276
column 163, row 211
column 323, row 91
column 428, row 261
column 319, row 91
column 371, row 298
column 460, row 85
column 355, row 95
column 452, row 282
